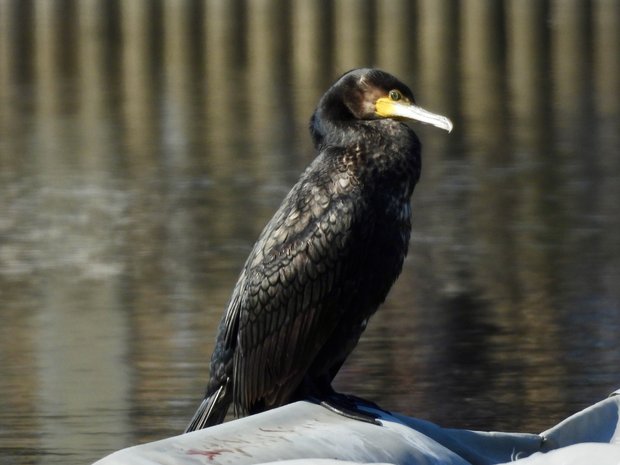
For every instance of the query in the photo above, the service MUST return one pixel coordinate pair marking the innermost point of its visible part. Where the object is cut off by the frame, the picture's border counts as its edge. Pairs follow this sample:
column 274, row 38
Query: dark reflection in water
column 143, row 145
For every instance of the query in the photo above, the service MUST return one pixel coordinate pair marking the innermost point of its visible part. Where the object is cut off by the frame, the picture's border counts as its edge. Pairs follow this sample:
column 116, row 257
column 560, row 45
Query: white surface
column 304, row 433
column 587, row 453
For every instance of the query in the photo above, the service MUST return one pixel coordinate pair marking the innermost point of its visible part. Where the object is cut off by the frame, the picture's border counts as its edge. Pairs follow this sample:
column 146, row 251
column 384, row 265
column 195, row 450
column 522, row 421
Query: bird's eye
column 395, row 95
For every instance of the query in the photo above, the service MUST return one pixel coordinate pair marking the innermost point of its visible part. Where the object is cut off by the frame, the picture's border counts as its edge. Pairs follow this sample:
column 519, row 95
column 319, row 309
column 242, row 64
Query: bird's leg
column 321, row 392
column 348, row 406
column 360, row 400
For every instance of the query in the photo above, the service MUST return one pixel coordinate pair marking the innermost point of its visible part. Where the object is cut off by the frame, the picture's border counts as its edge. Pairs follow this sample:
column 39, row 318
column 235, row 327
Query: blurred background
column 145, row 143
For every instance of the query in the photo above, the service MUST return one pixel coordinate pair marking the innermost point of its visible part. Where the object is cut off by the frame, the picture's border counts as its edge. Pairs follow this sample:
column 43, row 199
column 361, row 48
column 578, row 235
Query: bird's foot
column 348, row 406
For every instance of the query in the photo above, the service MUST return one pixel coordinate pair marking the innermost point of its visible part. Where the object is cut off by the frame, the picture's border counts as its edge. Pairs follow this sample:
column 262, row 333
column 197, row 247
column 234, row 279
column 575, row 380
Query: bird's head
column 367, row 94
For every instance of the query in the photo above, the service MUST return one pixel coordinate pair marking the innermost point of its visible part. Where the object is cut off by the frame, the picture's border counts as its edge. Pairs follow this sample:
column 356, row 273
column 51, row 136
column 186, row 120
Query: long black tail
column 212, row 410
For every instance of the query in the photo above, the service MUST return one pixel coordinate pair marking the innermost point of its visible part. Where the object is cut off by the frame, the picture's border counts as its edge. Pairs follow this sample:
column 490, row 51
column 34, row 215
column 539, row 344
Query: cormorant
column 327, row 258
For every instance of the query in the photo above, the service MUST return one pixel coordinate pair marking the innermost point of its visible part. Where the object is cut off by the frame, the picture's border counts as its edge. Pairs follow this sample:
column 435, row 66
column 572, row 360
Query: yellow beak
column 388, row 108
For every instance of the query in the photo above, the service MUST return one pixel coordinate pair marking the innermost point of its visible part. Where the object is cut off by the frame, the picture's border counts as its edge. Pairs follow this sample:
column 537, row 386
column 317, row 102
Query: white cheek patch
column 370, row 100
column 370, row 94
column 368, row 107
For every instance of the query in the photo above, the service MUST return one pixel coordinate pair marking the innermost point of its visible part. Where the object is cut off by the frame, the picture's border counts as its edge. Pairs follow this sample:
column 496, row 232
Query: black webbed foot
column 348, row 406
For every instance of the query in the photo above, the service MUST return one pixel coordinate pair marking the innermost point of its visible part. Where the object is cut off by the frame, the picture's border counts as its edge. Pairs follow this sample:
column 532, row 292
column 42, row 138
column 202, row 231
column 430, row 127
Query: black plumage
column 328, row 257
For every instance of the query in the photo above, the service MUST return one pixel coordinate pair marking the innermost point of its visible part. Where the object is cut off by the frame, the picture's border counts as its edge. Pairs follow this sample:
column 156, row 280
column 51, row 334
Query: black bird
column 327, row 258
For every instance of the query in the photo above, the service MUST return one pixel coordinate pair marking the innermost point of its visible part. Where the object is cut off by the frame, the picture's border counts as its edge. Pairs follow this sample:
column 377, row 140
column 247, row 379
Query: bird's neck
column 328, row 132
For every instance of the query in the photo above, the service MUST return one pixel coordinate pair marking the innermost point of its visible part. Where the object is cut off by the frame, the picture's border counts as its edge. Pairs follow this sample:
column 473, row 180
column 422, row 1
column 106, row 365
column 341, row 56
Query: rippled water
column 138, row 166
